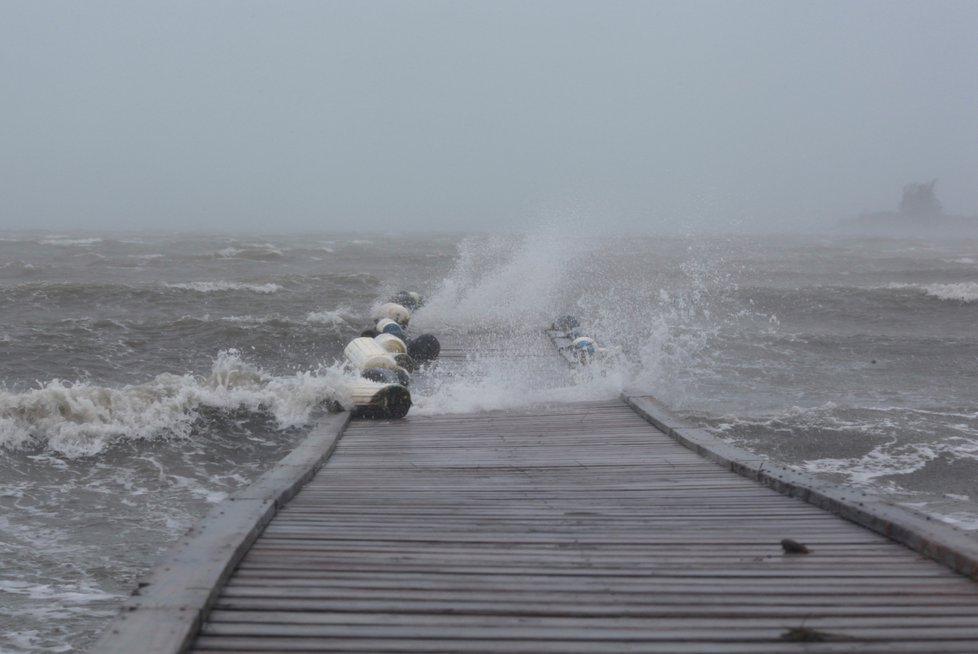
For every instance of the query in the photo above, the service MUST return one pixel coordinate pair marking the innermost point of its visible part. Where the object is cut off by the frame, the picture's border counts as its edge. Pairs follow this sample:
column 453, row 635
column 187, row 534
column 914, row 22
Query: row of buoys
column 386, row 357
column 583, row 348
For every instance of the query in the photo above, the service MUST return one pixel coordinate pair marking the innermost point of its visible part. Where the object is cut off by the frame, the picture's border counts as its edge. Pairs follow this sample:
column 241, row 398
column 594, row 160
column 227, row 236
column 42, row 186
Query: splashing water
column 504, row 282
column 654, row 313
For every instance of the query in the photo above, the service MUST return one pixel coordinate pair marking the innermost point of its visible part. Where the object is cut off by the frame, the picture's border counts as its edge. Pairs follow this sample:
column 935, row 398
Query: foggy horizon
column 447, row 117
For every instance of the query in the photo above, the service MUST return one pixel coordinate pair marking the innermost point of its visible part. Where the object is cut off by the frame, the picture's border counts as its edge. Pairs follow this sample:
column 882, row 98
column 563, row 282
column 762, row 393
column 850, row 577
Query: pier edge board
column 936, row 540
column 172, row 600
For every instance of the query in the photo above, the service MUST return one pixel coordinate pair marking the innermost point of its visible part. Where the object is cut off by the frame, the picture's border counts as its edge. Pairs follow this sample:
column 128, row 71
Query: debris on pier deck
column 575, row 528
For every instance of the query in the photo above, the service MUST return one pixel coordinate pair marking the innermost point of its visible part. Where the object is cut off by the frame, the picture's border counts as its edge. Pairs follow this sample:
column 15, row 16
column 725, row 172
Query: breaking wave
column 965, row 292
column 893, row 459
column 874, row 446
column 655, row 323
column 79, row 419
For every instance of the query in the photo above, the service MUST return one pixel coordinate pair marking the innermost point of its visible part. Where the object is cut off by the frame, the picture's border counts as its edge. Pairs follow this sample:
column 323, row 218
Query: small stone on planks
column 793, row 547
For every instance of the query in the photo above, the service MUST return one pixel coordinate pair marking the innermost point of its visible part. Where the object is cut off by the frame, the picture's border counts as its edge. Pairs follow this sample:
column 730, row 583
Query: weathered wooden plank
column 707, row 549
column 746, row 631
column 569, row 529
column 503, row 552
column 580, row 569
column 691, row 586
column 516, row 608
column 925, row 589
column 550, row 537
column 574, row 597
column 599, row 623
column 450, row 646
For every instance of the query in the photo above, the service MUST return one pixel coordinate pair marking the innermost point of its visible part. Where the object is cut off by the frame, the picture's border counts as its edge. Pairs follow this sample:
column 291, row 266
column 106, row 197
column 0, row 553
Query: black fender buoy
column 387, row 375
column 403, row 375
column 392, row 401
column 382, row 375
column 406, row 361
column 424, row 348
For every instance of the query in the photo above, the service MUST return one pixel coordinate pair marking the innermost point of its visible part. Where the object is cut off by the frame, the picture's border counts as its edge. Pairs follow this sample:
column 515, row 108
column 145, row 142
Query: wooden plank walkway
column 577, row 528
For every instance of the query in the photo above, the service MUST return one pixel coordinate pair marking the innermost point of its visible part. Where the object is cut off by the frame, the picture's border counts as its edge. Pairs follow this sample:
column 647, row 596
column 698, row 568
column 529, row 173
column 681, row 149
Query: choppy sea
column 146, row 377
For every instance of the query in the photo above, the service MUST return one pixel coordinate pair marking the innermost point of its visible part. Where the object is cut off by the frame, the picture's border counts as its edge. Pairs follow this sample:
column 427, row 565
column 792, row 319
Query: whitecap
column 250, row 251
column 965, row 292
column 338, row 316
column 222, row 286
column 66, row 241
column 961, row 292
column 892, row 459
column 252, row 320
column 80, row 419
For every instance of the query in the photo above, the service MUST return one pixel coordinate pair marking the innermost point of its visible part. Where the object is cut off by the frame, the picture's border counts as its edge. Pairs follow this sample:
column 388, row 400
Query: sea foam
column 962, row 292
column 80, row 419
column 222, row 286
column 340, row 316
column 965, row 292
column 66, row 241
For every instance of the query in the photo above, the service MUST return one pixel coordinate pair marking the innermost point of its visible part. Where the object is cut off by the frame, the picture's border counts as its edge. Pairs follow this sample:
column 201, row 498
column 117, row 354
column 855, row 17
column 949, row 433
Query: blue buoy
column 388, row 326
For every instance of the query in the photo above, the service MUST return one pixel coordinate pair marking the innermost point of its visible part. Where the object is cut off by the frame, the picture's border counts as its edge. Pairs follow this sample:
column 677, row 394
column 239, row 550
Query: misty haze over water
column 439, row 115
column 200, row 202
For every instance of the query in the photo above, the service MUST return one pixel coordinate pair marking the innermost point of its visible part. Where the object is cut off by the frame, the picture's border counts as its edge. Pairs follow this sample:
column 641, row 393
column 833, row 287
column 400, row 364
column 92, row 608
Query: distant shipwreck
column 920, row 214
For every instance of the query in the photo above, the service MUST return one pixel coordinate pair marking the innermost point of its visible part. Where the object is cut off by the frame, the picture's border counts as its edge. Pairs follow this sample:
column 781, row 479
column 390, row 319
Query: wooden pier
column 565, row 529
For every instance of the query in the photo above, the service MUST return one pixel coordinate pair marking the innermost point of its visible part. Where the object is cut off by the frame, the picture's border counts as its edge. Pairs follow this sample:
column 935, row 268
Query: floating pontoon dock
column 591, row 527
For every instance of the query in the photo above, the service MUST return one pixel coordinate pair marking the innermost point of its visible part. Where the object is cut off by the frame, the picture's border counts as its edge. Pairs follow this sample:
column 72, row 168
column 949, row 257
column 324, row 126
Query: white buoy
column 395, row 312
column 363, row 353
column 391, row 343
column 377, row 400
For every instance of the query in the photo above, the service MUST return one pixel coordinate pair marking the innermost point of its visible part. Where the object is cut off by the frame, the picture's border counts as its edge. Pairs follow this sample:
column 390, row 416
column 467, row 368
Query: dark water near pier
column 147, row 376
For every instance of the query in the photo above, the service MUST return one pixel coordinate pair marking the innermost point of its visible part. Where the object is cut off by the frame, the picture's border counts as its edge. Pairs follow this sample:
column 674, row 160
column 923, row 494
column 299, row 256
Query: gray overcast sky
column 281, row 116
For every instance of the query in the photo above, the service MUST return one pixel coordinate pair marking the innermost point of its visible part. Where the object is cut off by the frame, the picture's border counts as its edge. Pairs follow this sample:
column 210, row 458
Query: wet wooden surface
column 573, row 528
